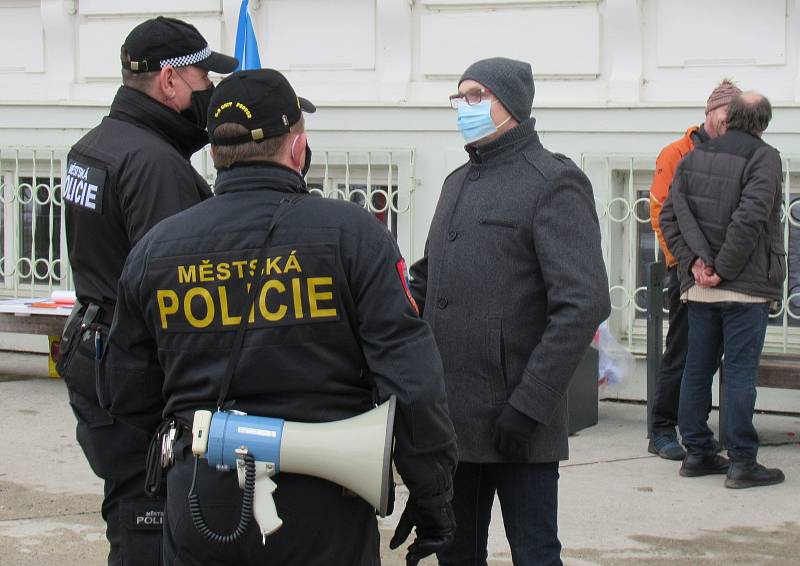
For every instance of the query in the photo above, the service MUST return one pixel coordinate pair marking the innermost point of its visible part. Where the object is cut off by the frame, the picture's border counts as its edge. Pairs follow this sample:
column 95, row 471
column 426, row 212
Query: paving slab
column 618, row 504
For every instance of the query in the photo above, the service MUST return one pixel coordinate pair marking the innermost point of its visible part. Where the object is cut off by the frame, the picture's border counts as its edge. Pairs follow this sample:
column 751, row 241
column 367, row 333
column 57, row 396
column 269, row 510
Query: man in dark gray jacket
column 722, row 222
column 514, row 286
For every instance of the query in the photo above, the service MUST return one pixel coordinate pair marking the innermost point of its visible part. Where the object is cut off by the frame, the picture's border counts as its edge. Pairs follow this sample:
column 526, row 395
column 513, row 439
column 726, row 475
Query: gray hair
column 138, row 81
column 265, row 150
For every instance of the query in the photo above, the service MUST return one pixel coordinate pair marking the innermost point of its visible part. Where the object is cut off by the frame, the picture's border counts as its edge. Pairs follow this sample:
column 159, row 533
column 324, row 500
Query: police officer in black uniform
column 124, row 176
column 328, row 328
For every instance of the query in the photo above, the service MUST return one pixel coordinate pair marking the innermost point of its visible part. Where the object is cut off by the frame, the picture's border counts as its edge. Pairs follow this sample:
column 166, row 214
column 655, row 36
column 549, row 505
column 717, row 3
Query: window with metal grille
column 370, row 180
column 380, row 180
column 39, row 217
column 622, row 188
column 376, row 200
column 33, row 252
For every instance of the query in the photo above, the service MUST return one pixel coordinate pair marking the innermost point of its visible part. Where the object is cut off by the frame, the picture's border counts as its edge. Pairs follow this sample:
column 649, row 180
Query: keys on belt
column 167, row 444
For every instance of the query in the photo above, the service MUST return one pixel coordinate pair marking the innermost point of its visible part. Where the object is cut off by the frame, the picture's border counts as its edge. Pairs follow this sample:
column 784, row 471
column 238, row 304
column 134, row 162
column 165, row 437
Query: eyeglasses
column 472, row 97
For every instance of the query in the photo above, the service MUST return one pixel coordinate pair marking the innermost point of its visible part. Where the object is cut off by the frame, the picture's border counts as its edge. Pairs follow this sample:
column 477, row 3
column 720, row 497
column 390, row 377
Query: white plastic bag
column 615, row 364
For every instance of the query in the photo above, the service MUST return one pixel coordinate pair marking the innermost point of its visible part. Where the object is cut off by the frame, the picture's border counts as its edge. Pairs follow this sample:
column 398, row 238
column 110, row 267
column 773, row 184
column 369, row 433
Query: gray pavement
column 618, row 504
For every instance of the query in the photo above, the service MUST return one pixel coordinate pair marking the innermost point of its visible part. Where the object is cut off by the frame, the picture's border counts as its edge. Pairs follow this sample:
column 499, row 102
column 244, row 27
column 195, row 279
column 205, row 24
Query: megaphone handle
column 264, row 511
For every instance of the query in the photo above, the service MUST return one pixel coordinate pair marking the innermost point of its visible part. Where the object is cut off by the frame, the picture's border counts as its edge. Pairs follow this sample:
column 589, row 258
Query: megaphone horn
column 355, row 453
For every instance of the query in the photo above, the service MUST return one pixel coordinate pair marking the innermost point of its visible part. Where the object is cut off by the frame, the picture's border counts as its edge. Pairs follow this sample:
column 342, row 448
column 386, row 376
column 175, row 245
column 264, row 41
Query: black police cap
column 161, row 42
column 261, row 100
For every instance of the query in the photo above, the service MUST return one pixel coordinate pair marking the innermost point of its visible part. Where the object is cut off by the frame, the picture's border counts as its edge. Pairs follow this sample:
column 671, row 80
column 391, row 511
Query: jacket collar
column 259, row 175
column 699, row 135
column 507, row 143
column 139, row 109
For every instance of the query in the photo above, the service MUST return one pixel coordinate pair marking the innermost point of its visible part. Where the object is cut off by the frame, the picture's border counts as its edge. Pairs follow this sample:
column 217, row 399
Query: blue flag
column 246, row 45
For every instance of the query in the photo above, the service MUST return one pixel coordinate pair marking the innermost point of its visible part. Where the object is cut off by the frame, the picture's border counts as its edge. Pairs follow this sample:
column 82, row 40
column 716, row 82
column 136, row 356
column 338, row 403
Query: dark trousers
column 528, row 495
column 739, row 328
column 117, row 454
column 322, row 526
column 668, row 380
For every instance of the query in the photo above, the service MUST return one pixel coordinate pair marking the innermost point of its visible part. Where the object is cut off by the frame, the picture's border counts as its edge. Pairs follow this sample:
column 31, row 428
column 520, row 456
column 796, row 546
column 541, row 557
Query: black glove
column 436, row 527
column 512, row 434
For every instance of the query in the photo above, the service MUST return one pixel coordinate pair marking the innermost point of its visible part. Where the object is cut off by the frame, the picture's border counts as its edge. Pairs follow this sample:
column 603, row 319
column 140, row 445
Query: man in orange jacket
column 663, row 438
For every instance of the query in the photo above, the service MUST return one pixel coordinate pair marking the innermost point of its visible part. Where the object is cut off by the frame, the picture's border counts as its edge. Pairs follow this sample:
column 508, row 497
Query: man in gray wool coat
column 514, row 287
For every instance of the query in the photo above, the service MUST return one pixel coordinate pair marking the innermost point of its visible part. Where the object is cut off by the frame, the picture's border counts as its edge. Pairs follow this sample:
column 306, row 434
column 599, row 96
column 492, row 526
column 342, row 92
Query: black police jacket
column 124, row 176
column 332, row 329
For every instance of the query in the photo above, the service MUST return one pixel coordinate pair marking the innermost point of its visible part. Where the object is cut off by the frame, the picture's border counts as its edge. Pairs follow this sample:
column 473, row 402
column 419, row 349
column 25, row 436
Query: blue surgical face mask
column 475, row 121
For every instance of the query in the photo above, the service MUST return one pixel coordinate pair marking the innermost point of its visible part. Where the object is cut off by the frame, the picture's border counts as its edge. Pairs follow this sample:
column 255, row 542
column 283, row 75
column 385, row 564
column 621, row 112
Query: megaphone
column 355, row 453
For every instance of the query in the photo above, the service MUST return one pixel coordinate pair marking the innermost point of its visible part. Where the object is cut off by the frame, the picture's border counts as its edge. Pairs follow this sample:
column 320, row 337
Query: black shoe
column 665, row 446
column 695, row 465
column 752, row 474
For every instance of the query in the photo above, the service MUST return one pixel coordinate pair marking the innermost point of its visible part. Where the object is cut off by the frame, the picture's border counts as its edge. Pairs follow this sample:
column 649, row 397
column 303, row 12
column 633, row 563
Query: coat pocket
column 501, row 222
column 495, row 354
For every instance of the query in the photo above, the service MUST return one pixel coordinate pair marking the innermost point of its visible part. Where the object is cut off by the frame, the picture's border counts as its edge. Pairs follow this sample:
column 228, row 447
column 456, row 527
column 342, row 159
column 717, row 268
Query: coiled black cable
column 247, row 505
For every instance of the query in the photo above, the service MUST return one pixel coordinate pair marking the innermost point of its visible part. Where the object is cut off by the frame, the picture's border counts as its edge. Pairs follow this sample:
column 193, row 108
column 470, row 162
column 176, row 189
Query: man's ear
column 299, row 150
column 166, row 83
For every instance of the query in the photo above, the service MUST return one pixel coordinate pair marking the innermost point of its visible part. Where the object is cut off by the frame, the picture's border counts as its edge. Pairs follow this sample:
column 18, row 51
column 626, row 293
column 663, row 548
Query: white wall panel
column 739, row 39
column 489, row 3
column 316, row 34
column 100, row 40
column 156, row 7
column 557, row 41
column 23, row 39
column 409, row 52
column 721, row 32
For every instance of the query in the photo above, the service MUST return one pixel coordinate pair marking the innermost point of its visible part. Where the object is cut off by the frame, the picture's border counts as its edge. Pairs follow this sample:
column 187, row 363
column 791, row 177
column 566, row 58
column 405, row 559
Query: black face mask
column 307, row 163
column 197, row 113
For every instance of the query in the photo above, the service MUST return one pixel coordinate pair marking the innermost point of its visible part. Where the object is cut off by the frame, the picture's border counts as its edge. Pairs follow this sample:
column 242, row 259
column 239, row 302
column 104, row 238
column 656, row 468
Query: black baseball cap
column 261, row 100
column 161, row 42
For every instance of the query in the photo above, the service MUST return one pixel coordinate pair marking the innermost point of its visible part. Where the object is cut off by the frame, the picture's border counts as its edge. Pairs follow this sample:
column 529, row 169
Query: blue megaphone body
column 231, row 430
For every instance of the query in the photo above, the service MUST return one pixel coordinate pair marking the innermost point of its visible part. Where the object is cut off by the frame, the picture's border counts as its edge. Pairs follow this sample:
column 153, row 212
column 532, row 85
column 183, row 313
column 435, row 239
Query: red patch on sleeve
column 403, row 273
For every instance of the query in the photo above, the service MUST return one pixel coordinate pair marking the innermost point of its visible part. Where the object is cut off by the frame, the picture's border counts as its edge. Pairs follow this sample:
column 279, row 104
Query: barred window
column 33, row 252
column 621, row 187
column 40, row 229
column 380, row 180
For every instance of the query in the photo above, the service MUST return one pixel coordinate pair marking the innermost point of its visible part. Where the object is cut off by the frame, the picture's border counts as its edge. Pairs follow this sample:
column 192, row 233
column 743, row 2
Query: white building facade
column 616, row 80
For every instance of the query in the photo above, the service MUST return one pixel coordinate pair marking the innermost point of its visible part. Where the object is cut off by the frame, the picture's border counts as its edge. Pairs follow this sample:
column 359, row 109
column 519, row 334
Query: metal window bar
column 613, row 174
column 380, row 180
column 32, row 247
column 790, row 216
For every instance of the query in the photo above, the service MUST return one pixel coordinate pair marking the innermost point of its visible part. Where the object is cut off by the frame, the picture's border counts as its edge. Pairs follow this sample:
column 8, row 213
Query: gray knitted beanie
column 511, row 82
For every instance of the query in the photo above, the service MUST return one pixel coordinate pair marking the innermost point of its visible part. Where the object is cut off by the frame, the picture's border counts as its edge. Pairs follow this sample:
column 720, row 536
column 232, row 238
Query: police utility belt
column 82, row 348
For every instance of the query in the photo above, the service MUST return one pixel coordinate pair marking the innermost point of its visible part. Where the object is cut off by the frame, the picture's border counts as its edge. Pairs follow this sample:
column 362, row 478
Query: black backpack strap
column 285, row 204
